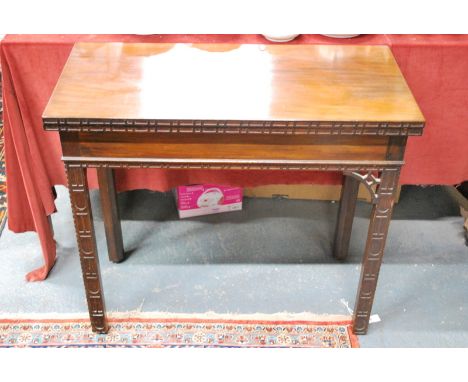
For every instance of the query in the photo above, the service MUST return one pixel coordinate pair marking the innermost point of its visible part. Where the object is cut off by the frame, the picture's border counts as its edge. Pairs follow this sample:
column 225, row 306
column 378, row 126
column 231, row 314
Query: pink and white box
column 206, row 199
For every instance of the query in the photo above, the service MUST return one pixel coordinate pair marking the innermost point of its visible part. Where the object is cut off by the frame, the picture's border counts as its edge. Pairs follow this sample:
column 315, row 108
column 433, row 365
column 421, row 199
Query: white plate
column 280, row 37
column 341, row 35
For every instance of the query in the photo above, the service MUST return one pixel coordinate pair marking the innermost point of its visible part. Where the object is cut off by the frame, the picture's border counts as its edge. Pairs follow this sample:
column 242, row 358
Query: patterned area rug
column 146, row 331
column 2, row 185
column 2, row 167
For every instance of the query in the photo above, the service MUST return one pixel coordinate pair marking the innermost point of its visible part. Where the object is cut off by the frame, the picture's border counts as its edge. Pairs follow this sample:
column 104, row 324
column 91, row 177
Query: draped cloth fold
column 26, row 174
column 434, row 66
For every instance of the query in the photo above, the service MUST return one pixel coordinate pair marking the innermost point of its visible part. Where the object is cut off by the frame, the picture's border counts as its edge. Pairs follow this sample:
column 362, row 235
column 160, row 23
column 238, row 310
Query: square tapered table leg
column 344, row 224
column 110, row 213
column 83, row 219
column 373, row 254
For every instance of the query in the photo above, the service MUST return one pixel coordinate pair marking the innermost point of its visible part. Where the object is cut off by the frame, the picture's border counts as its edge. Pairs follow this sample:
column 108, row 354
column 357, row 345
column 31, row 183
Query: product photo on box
column 205, row 199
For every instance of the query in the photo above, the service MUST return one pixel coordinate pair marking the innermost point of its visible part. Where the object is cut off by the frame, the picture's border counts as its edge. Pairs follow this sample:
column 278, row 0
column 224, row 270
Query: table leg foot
column 83, row 219
column 378, row 230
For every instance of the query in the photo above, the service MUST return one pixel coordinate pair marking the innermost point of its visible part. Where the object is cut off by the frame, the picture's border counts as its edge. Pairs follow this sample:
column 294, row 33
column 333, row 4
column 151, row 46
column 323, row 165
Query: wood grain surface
column 248, row 82
column 213, row 146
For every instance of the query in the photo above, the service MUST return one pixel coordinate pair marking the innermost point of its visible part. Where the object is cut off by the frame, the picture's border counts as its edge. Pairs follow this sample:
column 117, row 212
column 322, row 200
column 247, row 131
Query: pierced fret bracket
column 369, row 180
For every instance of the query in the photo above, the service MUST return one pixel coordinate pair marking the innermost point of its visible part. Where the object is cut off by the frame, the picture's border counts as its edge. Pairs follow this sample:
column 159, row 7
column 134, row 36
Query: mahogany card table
column 225, row 106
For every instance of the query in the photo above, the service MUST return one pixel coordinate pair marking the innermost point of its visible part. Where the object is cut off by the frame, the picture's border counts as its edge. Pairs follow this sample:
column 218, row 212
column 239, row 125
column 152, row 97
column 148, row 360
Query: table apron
column 211, row 151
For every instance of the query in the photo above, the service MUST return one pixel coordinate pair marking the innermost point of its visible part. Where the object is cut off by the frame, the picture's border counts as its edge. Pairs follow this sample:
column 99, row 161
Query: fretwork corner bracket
column 380, row 185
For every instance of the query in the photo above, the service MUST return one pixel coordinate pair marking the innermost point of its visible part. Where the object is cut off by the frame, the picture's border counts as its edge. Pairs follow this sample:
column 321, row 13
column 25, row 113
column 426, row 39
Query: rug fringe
column 280, row 316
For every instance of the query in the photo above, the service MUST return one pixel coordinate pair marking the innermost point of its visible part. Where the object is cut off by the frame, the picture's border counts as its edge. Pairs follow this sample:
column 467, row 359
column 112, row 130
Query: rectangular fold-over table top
column 233, row 86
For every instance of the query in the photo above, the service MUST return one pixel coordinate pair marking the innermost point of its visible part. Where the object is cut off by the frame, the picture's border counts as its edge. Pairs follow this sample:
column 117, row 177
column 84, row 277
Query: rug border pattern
column 178, row 332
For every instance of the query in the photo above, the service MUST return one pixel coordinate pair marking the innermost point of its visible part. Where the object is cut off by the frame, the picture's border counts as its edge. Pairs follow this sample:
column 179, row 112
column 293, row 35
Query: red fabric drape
column 436, row 68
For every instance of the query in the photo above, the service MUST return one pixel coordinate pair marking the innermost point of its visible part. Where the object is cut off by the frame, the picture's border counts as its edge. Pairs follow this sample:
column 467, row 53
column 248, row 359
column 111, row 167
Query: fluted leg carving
column 378, row 229
column 83, row 218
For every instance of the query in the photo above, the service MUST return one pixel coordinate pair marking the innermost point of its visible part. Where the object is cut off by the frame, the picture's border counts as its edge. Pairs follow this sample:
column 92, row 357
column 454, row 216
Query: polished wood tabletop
column 232, row 82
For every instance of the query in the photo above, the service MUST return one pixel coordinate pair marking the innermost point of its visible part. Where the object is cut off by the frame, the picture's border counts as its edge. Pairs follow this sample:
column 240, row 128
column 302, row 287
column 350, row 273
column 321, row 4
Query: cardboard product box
column 206, row 199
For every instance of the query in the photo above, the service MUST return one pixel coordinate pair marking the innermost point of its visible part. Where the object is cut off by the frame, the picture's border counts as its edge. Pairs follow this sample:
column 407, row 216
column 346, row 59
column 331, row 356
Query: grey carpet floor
column 274, row 256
